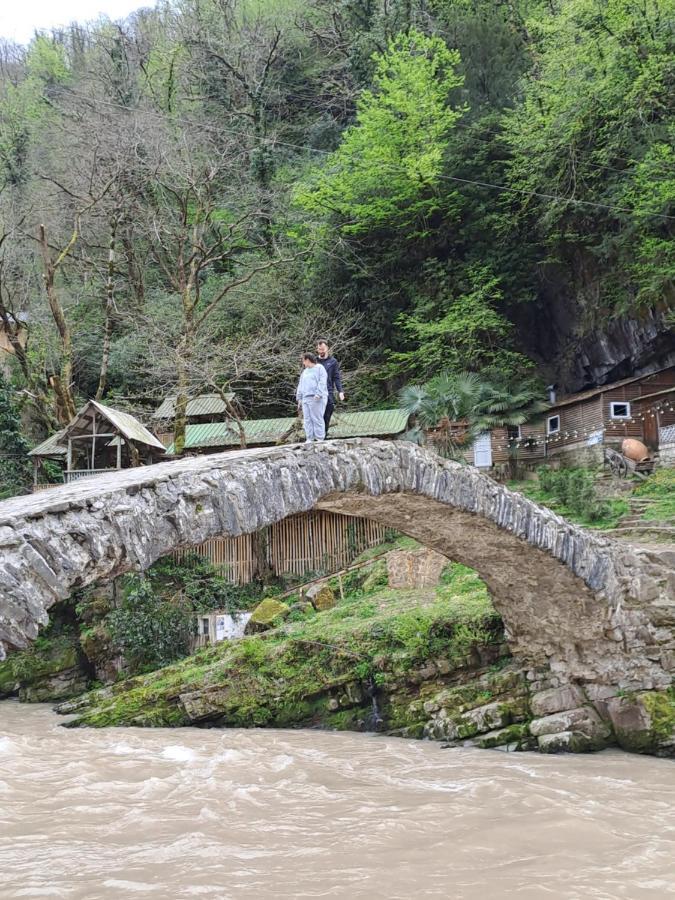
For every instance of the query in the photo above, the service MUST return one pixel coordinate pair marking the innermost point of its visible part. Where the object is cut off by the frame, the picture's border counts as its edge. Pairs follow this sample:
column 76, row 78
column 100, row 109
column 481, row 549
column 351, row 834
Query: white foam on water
column 179, row 754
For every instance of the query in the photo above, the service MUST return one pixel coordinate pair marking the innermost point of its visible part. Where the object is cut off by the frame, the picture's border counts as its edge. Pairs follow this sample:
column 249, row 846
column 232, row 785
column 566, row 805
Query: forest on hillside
column 190, row 197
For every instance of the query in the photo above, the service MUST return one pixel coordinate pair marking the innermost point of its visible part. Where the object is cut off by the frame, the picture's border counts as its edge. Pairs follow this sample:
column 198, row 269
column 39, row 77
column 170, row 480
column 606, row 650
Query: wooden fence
column 316, row 542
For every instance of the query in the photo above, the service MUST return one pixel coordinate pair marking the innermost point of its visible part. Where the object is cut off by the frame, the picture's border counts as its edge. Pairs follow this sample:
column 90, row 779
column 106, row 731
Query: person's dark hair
column 322, row 341
column 310, row 356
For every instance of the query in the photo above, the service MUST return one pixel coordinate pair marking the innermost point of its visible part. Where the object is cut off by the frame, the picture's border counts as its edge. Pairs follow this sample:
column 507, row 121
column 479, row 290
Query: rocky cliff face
column 578, row 352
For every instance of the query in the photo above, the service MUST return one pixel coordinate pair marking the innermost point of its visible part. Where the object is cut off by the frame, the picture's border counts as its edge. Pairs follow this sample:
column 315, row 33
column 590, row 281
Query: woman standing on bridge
column 312, row 396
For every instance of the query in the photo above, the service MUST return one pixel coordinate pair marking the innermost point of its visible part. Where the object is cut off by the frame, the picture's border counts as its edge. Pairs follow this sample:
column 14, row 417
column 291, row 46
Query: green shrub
column 150, row 630
column 574, row 489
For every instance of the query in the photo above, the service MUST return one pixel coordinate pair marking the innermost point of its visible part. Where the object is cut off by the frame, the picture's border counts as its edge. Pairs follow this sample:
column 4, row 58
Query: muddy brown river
column 131, row 813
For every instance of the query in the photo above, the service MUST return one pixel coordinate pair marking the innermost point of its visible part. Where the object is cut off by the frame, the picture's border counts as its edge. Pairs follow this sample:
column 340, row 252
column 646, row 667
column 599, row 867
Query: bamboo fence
column 314, row 542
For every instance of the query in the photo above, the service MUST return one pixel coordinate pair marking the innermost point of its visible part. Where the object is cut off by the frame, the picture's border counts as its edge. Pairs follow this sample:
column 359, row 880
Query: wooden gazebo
column 99, row 439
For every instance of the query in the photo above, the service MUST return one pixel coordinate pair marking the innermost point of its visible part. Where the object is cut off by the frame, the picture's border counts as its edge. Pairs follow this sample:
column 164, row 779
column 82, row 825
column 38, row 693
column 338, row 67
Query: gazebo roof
column 124, row 423
column 52, row 447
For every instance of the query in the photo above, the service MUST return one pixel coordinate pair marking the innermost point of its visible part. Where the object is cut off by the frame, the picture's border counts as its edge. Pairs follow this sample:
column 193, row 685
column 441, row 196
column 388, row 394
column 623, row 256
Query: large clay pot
column 634, row 450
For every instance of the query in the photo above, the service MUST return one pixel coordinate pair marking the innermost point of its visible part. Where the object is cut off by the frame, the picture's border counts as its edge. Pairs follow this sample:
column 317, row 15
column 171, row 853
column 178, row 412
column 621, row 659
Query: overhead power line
column 555, row 198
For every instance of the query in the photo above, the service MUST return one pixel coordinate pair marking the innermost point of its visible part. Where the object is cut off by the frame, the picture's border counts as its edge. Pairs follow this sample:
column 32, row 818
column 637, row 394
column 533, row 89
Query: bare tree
column 253, row 370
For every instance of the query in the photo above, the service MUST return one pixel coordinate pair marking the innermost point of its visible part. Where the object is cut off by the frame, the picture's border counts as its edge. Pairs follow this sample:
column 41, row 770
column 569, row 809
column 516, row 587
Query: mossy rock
column 266, row 615
column 48, row 670
column 96, row 643
column 321, row 597
column 513, row 737
column 644, row 722
column 50, row 688
column 9, row 683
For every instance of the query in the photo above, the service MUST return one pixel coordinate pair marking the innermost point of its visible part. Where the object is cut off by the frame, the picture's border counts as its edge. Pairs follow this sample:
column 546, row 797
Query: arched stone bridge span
column 583, row 607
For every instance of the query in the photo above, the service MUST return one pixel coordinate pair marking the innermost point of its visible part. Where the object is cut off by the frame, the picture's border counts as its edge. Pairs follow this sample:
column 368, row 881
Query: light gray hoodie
column 313, row 384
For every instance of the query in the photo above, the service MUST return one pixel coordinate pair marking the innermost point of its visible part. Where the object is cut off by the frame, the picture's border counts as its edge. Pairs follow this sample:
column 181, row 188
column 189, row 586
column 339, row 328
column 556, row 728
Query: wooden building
column 99, row 439
column 638, row 407
column 576, row 428
column 215, row 436
column 314, row 542
column 202, row 410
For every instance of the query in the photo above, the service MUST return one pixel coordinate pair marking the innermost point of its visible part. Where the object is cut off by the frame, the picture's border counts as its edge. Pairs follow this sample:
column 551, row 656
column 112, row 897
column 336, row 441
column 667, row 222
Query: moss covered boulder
column 321, row 596
column 49, row 670
column 266, row 615
column 644, row 722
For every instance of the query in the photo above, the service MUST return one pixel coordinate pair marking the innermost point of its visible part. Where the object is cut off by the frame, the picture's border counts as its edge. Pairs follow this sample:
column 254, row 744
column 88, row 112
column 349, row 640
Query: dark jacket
column 332, row 367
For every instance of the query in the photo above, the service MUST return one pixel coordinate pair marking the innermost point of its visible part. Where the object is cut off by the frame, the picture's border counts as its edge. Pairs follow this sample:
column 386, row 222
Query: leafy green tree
column 464, row 332
column 386, row 172
column 150, row 630
column 15, row 473
column 593, row 123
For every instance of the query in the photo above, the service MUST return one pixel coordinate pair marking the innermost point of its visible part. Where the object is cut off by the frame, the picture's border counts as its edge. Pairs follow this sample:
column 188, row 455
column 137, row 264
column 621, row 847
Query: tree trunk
column 262, row 570
column 109, row 307
column 180, row 415
column 65, row 400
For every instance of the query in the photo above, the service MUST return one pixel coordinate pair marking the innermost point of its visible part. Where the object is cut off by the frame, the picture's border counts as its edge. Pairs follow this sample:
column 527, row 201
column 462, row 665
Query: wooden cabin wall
column 578, row 422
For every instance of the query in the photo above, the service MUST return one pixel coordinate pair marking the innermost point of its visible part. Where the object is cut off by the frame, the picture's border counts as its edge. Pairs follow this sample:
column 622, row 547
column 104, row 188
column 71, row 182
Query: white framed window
column 619, row 410
column 553, row 425
column 205, row 626
column 514, row 432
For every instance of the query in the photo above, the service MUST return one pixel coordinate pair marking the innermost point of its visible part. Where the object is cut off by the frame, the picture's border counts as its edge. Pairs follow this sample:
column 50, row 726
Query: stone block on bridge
column 414, row 568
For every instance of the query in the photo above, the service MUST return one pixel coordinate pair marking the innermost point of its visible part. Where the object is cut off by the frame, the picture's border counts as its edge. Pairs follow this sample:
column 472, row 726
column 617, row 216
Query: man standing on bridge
column 332, row 367
column 312, row 395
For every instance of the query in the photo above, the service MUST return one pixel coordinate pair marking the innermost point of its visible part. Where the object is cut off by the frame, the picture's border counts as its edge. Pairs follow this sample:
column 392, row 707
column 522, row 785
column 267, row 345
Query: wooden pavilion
column 99, row 439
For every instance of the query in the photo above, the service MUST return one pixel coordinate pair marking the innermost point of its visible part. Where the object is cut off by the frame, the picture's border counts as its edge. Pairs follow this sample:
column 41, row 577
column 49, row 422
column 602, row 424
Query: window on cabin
column 205, row 626
column 513, row 432
column 619, row 410
column 553, row 425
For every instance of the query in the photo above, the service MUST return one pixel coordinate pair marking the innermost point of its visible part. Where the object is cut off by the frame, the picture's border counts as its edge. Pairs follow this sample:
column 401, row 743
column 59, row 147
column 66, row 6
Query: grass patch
column 614, row 508
column 660, row 488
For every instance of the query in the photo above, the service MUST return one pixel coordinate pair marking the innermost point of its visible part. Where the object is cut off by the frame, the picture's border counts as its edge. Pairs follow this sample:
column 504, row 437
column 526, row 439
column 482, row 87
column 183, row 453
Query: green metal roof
column 50, row 447
column 204, row 405
column 372, row 423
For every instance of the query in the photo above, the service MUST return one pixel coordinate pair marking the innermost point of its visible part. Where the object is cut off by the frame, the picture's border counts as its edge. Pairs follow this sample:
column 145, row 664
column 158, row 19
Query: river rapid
column 132, row 813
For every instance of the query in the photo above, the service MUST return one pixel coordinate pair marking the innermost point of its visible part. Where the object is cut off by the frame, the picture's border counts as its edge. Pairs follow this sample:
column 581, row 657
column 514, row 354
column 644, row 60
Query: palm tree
column 510, row 403
column 507, row 405
column 436, row 405
column 483, row 402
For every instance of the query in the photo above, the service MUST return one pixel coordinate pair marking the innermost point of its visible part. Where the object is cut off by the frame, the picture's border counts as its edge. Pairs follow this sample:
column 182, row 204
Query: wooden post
column 69, row 457
column 93, row 442
column 119, row 450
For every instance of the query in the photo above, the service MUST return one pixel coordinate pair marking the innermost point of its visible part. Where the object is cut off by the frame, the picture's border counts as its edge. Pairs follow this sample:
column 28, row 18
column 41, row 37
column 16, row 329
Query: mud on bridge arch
column 586, row 611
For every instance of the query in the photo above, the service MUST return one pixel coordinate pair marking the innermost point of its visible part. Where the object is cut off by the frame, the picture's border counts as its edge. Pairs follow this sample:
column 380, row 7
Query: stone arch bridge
column 584, row 609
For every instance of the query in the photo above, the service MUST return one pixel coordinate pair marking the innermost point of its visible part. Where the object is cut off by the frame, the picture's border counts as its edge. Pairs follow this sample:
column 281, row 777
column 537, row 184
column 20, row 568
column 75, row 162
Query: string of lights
column 598, row 430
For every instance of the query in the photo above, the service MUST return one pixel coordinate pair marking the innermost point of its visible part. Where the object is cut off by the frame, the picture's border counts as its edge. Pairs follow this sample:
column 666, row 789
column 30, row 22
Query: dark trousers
column 330, row 406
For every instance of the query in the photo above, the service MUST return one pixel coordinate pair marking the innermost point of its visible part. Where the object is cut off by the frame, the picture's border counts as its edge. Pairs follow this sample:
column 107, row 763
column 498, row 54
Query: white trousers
column 312, row 414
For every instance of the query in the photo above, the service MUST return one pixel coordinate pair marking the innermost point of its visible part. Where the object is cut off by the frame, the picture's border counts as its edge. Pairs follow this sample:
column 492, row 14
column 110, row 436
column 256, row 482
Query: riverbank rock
column 48, row 671
column 266, row 615
column 578, row 730
column 645, row 722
